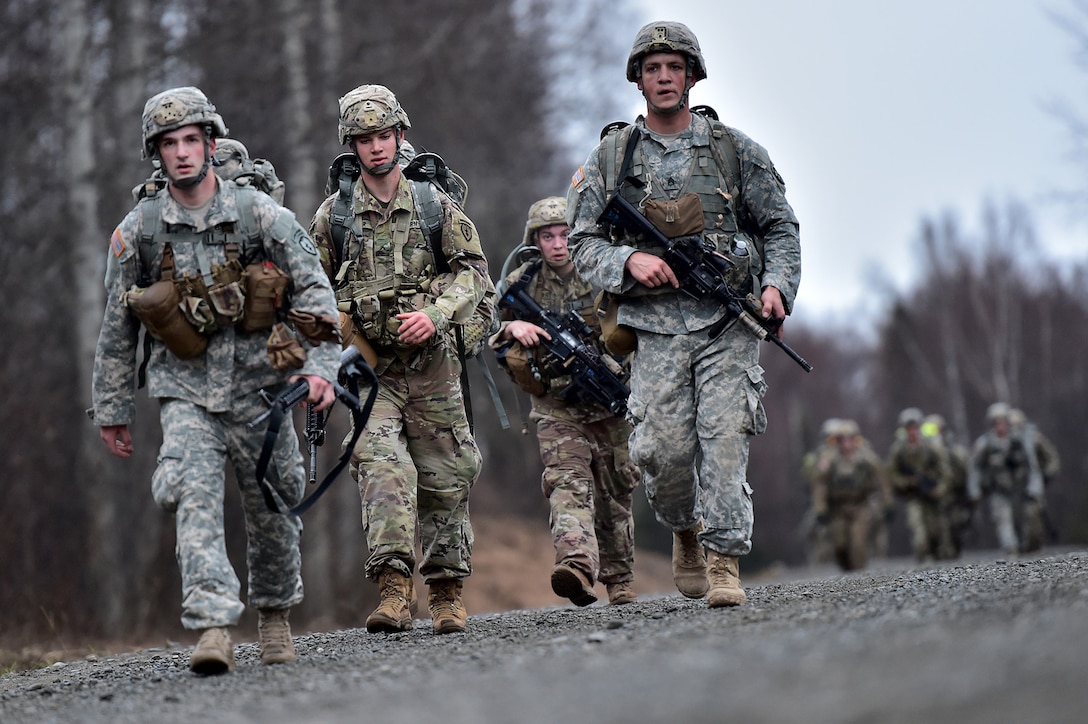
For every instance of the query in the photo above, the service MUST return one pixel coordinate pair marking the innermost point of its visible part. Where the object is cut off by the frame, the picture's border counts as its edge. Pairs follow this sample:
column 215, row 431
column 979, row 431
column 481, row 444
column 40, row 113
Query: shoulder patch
column 466, row 230
column 578, row 177
column 117, row 244
column 305, row 242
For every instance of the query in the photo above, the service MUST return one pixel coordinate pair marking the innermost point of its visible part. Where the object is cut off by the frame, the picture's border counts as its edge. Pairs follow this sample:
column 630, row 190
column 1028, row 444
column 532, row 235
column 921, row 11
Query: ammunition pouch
column 265, row 287
column 375, row 304
column 619, row 339
column 679, row 217
column 209, row 308
column 284, row 351
column 316, row 329
column 158, row 307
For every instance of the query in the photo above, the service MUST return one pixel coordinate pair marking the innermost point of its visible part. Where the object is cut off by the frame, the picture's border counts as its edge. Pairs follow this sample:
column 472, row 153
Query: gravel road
column 984, row 640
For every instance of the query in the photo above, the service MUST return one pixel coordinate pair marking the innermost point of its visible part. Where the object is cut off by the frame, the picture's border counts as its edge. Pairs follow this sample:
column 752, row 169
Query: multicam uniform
column 588, row 475
column 682, row 382
column 208, row 399
column 417, row 459
column 918, row 472
column 844, row 486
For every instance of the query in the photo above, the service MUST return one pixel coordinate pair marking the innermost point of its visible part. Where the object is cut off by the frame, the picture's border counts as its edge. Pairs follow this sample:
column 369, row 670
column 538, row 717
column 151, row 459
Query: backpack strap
column 429, row 211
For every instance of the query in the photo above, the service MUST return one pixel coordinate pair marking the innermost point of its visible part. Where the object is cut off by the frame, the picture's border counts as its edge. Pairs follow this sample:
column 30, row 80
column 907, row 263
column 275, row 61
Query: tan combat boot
column 448, row 613
column 392, row 613
column 724, row 574
column 620, row 593
column 569, row 582
column 689, row 562
column 274, row 636
column 214, row 653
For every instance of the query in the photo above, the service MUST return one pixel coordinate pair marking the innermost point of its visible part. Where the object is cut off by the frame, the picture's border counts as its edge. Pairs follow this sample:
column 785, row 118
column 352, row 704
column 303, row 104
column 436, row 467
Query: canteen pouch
column 676, row 217
column 284, row 351
column 157, row 308
column 520, row 364
column 619, row 339
column 351, row 336
column 265, row 286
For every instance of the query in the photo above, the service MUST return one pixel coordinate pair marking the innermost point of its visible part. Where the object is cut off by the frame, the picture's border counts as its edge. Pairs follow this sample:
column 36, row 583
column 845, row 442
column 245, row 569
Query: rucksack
column 258, row 173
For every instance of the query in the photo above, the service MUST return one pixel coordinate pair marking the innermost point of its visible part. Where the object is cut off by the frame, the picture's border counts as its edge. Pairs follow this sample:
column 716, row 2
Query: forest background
column 512, row 94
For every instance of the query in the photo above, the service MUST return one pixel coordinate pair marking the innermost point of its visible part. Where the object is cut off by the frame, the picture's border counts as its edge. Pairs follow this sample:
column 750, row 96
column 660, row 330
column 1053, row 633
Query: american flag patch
column 577, row 177
column 117, row 244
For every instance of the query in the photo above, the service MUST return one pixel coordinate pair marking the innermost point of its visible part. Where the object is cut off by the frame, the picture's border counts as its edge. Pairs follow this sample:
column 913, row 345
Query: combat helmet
column 370, row 108
column 666, row 37
column 998, row 410
column 546, row 212
column 910, row 416
column 176, row 108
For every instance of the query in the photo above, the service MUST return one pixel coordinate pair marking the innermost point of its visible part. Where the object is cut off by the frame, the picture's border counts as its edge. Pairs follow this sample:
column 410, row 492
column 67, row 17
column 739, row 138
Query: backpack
column 258, row 173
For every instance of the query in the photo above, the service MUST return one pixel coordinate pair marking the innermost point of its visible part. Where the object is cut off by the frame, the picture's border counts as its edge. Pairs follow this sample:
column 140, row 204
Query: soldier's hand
column 117, row 438
column 773, row 307
column 650, row 270
column 415, row 328
column 527, row 333
column 322, row 393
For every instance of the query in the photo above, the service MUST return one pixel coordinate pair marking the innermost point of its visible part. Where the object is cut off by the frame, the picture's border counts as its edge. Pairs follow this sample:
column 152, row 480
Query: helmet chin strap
column 673, row 109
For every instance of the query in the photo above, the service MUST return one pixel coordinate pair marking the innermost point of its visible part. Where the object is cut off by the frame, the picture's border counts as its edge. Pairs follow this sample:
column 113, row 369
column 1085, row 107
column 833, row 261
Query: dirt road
column 988, row 640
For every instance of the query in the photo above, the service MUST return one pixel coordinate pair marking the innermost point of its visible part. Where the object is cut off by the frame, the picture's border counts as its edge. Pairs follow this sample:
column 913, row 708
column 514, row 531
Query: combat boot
column 392, row 613
column 689, row 562
column 620, row 593
column 569, row 582
column 448, row 613
column 214, row 653
column 723, row 573
column 274, row 636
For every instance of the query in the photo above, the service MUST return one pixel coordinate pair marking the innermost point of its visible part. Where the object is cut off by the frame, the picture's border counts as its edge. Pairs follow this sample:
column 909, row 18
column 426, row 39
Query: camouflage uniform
column 691, row 428
column 207, row 401
column 1002, row 462
column 918, row 471
column 844, row 484
column 417, row 459
column 588, row 475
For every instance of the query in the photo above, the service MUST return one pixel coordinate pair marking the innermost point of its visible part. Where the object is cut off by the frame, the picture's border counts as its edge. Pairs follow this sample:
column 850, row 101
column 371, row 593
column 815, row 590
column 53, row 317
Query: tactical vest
column 213, row 298
column 714, row 176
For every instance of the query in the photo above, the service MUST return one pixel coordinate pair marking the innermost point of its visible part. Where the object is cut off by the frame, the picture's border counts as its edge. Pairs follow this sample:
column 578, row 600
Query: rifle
column 593, row 376
column 701, row 272
column 352, row 368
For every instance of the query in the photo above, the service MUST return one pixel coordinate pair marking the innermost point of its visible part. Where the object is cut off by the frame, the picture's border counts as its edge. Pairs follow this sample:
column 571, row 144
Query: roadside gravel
column 982, row 640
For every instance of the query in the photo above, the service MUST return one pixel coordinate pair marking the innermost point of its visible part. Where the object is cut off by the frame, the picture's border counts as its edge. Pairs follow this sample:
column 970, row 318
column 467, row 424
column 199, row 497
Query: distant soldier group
column 937, row 479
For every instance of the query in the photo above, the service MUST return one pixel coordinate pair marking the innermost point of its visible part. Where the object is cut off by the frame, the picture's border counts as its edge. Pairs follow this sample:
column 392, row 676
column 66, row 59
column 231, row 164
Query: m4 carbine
column 593, row 376
column 702, row 274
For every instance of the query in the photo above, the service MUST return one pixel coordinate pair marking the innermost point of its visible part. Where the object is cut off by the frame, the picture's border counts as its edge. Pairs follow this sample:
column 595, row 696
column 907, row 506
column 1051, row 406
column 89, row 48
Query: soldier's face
column 552, row 241
column 664, row 77
column 182, row 152
column 376, row 148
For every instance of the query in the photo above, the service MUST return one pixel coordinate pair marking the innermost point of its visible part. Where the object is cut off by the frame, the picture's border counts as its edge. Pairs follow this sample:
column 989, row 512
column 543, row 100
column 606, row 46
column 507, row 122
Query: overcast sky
column 880, row 114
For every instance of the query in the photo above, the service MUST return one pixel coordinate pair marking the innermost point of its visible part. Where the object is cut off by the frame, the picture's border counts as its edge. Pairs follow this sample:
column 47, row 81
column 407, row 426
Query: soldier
column 195, row 263
column 1046, row 455
column 918, row 469
column 695, row 400
column 417, row 459
column 845, row 483
column 956, row 509
column 819, row 549
column 998, row 460
column 588, row 476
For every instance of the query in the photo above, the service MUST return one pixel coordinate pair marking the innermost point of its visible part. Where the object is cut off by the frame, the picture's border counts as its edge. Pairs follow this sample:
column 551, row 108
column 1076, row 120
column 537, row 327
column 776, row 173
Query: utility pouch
column 228, row 302
column 520, row 364
column 351, row 336
column 619, row 339
column 265, row 286
column 316, row 329
column 679, row 217
column 284, row 351
column 157, row 308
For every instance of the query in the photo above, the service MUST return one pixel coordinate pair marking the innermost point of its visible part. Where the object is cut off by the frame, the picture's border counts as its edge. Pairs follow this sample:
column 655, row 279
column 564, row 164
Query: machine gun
column 352, row 369
column 593, row 376
column 702, row 274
